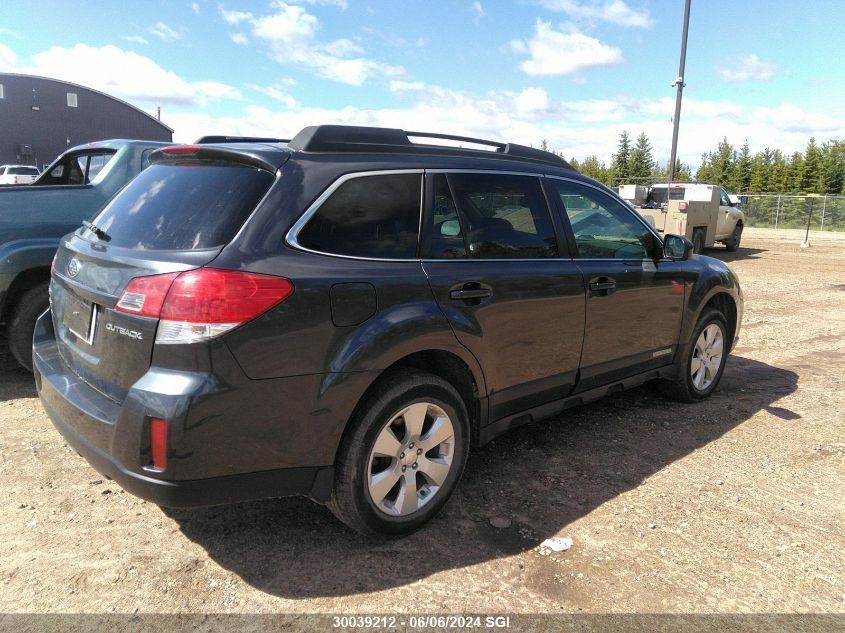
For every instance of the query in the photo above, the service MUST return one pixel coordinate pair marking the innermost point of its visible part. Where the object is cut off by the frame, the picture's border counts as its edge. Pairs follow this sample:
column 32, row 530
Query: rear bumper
column 314, row 482
column 88, row 421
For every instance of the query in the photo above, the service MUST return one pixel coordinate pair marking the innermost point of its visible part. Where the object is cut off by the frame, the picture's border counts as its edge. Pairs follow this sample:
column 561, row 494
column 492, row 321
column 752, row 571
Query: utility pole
column 679, row 82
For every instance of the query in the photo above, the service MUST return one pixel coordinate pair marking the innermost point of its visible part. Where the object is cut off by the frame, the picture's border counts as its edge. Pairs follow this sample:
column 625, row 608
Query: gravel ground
column 735, row 505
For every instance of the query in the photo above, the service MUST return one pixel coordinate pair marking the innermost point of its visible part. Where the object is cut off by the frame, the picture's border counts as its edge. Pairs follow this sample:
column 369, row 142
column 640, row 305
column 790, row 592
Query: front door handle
column 603, row 285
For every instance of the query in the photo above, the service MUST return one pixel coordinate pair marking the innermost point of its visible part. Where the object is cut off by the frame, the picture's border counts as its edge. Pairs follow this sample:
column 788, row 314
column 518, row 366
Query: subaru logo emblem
column 73, row 267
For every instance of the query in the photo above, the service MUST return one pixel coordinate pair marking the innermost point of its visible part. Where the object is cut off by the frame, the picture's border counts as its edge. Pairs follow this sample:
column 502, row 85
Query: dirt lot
column 734, row 505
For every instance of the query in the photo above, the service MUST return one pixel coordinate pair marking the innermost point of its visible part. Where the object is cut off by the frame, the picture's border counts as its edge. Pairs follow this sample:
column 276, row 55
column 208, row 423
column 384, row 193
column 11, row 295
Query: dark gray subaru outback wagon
column 344, row 315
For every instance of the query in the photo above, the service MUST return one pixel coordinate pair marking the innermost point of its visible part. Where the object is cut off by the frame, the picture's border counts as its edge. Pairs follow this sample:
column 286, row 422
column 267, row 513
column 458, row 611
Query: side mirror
column 450, row 228
column 677, row 247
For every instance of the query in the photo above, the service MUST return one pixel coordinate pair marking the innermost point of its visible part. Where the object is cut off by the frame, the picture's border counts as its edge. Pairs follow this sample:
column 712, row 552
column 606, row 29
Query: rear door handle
column 604, row 285
column 474, row 293
column 469, row 291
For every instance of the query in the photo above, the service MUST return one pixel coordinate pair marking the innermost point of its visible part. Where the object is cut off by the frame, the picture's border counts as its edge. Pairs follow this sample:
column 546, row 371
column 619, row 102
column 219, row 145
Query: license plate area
column 80, row 317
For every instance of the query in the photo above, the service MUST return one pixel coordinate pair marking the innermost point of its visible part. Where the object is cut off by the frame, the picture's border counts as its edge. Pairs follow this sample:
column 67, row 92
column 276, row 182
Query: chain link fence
column 794, row 211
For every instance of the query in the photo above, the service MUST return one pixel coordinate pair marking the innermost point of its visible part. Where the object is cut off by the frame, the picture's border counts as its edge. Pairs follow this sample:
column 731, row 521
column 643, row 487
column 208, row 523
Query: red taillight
column 145, row 295
column 202, row 303
column 210, row 295
column 180, row 150
column 158, row 442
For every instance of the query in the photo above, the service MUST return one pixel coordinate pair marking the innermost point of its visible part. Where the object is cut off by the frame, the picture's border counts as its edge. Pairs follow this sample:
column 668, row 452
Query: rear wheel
column 733, row 244
column 700, row 372
column 22, row 324
column 403, row 456
column 698, row 241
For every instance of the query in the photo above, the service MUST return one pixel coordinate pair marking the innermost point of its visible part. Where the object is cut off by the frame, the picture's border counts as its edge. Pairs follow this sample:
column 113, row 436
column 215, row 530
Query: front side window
column 502, row 216
column 603, row 227
column 374, row 216
column 723, row 198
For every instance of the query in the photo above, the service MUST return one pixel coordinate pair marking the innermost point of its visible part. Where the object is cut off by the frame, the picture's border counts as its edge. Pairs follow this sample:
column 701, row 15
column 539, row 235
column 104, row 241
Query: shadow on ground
column 727, row 256
column 543, row 476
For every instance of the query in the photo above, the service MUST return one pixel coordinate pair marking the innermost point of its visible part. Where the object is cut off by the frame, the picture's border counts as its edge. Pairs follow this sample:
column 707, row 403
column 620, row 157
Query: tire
column 29, row 307
column 698, row 241
column 363, row 497
column 688, row 385
column 732, row 245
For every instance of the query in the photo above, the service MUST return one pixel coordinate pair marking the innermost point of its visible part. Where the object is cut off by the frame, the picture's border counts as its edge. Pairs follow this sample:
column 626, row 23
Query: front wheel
column 732, row 245
column 700, row 372
column 403, row 456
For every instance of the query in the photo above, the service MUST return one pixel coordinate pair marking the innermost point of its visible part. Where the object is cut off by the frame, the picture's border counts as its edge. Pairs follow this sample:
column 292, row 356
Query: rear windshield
column 22, row 171
column 183, row 206
column 659, row 194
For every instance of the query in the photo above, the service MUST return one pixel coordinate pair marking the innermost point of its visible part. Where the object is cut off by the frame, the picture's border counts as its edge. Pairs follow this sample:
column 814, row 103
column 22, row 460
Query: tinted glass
column 603, row 227
column 22, row 171
column 183, row 207
column 504, row 216
column 368, row 216
column 445, row 236
column 658, row 194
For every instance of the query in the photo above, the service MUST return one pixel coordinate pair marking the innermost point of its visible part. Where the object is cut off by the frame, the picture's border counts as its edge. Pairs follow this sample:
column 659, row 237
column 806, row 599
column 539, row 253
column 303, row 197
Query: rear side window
column 22, row 171
column 503, row 216
column 183, row 206
column 369, row 216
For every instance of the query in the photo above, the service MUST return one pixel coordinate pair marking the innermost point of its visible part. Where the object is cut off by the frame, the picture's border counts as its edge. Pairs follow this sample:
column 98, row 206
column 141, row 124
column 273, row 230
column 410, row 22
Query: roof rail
column 350, row 138
column 239, row 139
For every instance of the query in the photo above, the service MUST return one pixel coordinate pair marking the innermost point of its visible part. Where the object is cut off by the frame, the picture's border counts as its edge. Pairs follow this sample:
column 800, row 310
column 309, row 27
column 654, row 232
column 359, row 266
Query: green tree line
column 818, row 169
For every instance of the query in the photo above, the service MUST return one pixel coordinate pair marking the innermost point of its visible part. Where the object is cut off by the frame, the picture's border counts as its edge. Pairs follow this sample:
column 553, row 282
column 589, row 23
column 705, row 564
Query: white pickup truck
column 18, row 174
column 704, row 213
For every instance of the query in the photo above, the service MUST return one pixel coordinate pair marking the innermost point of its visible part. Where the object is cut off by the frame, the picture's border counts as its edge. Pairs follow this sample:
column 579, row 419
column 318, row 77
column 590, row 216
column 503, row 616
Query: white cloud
column 532, row 102
column 478, row 9
column 748, row 68
column 337, row 3
column 164, row 32
column 577, row 128
column 290, row 32
column 239, row 38
column 195, row 8
column 613, row 11
column 137, row 39
column 276, row 92
column 235, row 17
column 8, row 59
column 123, row 74
column 562, row 53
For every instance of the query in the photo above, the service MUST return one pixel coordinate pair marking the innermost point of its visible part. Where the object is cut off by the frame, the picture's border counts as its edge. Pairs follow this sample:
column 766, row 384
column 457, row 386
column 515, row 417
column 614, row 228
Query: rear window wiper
column 100, row 233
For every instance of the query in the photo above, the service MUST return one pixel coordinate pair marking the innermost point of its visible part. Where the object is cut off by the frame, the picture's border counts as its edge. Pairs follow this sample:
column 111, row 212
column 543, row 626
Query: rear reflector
column 158, row 442
column 202, row 303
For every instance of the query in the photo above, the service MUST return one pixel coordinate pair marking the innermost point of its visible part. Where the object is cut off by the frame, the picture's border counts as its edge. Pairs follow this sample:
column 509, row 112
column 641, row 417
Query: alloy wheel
column 707, row 357
column 411, row 459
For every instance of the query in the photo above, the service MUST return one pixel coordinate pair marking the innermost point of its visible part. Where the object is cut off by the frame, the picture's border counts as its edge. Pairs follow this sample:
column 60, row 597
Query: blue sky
column 574, row 72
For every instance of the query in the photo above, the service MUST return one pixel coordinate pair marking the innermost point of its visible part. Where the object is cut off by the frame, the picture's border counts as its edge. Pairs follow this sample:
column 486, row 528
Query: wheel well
column 448, row 366
column 23, row 282
column 725, row 304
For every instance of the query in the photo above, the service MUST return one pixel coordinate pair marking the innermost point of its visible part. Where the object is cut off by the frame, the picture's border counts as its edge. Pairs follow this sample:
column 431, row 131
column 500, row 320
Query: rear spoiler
column 174, row 153
column 240, row 139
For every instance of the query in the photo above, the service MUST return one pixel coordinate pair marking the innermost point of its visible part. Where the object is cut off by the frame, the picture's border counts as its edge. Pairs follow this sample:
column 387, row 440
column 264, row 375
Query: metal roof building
column 40, row 118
